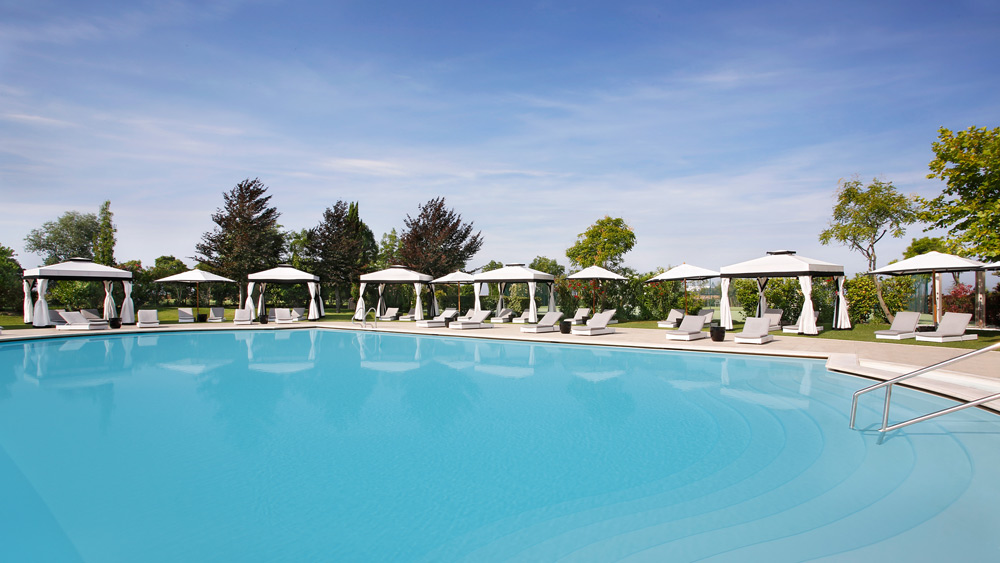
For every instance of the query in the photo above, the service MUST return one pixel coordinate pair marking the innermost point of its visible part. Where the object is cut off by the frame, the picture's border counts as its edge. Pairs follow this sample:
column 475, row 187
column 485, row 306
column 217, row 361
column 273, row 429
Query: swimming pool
column 298, row 445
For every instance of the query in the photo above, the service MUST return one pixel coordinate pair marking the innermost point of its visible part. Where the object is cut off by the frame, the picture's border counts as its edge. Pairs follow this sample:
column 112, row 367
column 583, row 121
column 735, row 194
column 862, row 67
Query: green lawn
column 863, row 333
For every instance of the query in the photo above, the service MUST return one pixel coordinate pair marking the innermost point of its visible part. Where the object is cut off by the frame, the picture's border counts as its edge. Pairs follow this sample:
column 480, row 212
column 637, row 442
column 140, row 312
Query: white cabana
column 283, row 274
column 598, row 274
column 786, row 264
column 457, row 277
column 76, row 269
column 392, row 274
column 197, row 277
column 686, row 272
column 935, row 263
column 517, row 273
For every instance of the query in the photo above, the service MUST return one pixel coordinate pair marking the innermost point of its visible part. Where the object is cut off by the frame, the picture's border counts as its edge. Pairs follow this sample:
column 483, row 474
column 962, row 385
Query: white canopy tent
column 687, row 272
column 77, row 269
column 197, row 277
column 598, row 274
column 786, row 264
column 457, row 277
column 516, row 273
column 393, row 274
column 285, row 274
column 936, row 263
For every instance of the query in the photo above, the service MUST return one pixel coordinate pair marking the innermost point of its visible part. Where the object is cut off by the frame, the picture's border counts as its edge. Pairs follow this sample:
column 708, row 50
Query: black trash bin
column 717, row 332
column 565, row 327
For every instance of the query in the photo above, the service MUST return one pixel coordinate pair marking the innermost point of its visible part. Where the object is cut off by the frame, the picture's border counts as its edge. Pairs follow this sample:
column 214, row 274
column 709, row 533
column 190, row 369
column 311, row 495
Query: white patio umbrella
column 457, row 277
column 197, row 277
column 595, row 273
column 685, row 272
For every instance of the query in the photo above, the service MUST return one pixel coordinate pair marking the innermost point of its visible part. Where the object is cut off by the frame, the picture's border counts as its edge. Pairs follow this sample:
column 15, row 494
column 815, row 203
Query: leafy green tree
column 864, row 304
column 547, row 265
column 159, row 293
column 367, row 247
column 337, row 248
column 969, row 206
column 388, row 250
column 11, row 291
column 246, row 237
column 604, row 243
column 70, row 236
column 864, row 215
column 437, row 241
column 104, row 242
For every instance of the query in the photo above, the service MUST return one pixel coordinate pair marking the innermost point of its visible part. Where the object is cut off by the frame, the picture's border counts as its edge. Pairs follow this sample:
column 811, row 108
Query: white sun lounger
column 242, row 317
column 439, row 321
column 690, row 329
column 773, row 317
column 55, row 316
column 794, row 329
column 950, row 329
column 548, row 323
column 76, row 321
column 298, row 313
column 709, row 314
column 674, row 318
column 903, row 326
column 477, row 321
column 755, row 331
column 391, row 314
column 523, row 319
column 504, row 316
column 185, row 315
column 216, row 314
column 579, row 315
column 91, row 314
column 148, row 318
column 283, row 315
column 597, row 325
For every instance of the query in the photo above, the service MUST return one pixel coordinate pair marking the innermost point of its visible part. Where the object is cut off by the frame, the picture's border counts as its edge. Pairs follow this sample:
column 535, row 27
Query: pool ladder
column 364, row 319
column 888, row 392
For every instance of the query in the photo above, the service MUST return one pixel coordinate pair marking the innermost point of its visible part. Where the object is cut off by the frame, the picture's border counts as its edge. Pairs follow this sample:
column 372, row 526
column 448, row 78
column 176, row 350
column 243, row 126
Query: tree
column 367, row 247
column 437, row 242
column 246, row 238
column 969, row 206
column 388, row 250
column 104, row 241
column 11, row 291
column 864, row 215
column 604, row 243
column 547, row 265
column 70, row 236
column 335, row 250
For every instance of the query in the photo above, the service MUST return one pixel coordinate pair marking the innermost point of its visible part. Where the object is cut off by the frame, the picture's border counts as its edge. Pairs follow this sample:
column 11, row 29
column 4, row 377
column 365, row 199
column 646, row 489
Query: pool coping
column 875, row 361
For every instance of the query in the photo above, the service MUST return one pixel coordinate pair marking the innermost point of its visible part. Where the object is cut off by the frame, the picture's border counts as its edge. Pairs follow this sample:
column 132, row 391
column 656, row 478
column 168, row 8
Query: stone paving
column 971, row 379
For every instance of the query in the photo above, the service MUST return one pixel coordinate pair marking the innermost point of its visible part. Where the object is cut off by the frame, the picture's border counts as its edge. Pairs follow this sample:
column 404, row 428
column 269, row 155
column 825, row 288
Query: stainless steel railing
column 888, row 392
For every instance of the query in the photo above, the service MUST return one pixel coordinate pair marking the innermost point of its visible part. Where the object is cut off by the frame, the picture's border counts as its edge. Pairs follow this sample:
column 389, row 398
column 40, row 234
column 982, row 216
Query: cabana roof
column 283, row 274
column 194, row 276
column 82, row 269
column 779, row 264
column 595, row 273
column 513, row 273
column 932, row 261
column 455, row 277
column 685, row 272
column 396, row 274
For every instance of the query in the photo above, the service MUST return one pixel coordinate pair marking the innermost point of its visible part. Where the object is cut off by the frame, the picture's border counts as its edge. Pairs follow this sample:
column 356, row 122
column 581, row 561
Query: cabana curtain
column 313, row 308
column 128, row 307
column 359, row 311
column 41, row 306
column 109, row 301
column 29, row 309
column 249, row 304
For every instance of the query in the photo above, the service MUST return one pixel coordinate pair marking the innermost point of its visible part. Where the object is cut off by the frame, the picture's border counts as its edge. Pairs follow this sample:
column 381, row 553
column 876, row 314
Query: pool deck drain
column 972, row 379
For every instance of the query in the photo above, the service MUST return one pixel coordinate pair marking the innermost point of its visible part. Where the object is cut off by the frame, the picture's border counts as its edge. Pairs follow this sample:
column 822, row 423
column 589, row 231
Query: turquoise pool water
column 310, row 445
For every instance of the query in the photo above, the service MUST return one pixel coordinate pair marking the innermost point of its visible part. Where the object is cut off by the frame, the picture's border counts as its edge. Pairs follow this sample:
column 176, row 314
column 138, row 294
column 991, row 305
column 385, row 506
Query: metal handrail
column 890, row 382
column 364, row 318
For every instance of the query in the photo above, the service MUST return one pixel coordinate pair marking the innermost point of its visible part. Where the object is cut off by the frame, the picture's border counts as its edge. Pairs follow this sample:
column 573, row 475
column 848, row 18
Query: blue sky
column 717, row 130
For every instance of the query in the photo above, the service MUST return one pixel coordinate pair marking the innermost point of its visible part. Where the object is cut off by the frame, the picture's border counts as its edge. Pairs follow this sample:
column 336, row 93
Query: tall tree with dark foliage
column 246, row 238
column 436, row 241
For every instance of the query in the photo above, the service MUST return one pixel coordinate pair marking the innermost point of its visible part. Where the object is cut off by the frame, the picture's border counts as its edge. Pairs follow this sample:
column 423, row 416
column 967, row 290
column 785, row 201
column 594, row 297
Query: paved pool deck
column 971, row 379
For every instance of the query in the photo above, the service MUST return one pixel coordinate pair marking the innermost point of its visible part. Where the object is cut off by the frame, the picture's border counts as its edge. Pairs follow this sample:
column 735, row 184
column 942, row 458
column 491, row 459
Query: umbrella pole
column 685, row 296
column 197, row 299
column 459, row 299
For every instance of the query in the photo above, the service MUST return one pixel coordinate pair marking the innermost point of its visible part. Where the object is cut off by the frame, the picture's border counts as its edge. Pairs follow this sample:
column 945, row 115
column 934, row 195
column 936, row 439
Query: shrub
column 862, row 299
